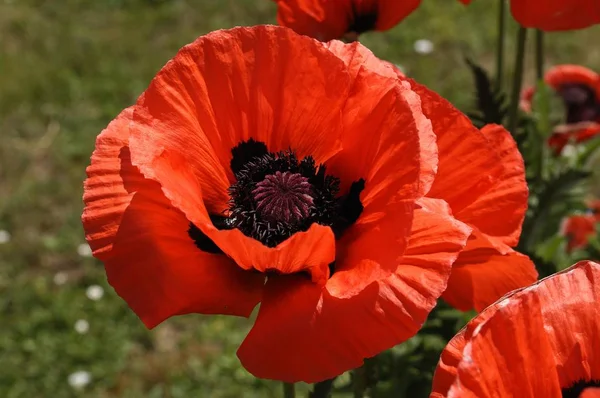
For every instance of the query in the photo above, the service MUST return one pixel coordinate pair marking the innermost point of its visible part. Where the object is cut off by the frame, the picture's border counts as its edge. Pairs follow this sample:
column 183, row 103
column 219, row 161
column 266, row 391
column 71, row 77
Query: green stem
column 513, row 114
column 322, row 389
column 289, row 390
column 539, row 54
column 500, row 43
column 360, row 382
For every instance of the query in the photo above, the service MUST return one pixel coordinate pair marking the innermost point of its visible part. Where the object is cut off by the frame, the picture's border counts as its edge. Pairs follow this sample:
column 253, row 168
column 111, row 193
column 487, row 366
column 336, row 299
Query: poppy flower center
column 276, row 195
column 283, row 197
column 363, row 22
column 577, row 389
column 580, row 102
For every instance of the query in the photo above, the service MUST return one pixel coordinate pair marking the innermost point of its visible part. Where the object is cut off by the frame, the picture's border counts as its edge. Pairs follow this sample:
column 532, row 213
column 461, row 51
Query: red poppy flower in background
column 554, row 15
column 333, row 19
column 481, row 176
column 579, row 88
column 215, row 192
column 578, row 230
column 540, row 341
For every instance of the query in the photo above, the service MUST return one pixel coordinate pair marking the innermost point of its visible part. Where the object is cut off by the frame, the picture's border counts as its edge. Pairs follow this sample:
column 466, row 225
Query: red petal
column 388, row 159
column 391, row 12
column 481, row 275
column 578, row 230
column 530, row 343
column 357, row 57
column 150, row 260
column 305, row 333
column 468, row 167
column 557, row 14
column 559, row 75
column 323, row 20
column 499, row 213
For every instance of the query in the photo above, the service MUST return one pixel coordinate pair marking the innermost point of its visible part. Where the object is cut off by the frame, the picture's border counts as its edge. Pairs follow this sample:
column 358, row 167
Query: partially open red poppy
column 333, row 19
column 481, row 176
column 578, row 230
column 579, row 88
column 555, row 14
column 540, row 341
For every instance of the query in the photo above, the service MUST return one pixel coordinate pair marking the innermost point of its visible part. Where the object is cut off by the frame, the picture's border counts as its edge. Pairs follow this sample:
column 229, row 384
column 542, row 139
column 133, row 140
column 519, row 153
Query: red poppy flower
column 540, row 341
column 215, row 192
column 554, row 15
column 578, row 230
column 481, row 176
column 333, row 19
column 579, row 88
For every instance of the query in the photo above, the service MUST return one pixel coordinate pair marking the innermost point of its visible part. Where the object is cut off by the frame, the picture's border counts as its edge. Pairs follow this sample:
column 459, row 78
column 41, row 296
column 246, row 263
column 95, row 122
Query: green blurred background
column 66, row 69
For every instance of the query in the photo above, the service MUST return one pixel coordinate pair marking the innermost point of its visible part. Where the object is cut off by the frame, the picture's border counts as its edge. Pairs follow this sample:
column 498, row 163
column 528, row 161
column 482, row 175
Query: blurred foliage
column 67, row 68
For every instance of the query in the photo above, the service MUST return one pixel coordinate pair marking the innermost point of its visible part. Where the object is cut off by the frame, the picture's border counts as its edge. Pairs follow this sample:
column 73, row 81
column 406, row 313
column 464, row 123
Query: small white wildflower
column 94, row 292
column 82, row 326
column 423, row 46
column 84, row 250
column 4, row 236
column 60, row 278
column 79, row 379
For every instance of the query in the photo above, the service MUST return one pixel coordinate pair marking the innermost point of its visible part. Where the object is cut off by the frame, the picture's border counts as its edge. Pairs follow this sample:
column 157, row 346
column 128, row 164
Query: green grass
column 65, row 71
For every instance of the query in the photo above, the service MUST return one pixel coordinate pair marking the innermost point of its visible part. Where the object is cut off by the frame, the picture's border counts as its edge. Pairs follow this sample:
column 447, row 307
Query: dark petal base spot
column 363, row 22
column 244, row 152
column 576, row 389
column 202, row 241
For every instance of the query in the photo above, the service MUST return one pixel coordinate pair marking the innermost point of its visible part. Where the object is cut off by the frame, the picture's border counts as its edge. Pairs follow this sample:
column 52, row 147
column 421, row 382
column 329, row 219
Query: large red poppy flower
column 540, row 341
column 555, row 14
column 481, row 176
column 259, row 167
column 333, row 19
column 578, row 230
column 579, row 88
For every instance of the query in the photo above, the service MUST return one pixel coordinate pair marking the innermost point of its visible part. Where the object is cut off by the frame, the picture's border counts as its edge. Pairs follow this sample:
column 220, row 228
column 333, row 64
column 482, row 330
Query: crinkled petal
column 531, row 343
column 309, row 335
column 482, row 274
column 150, row 259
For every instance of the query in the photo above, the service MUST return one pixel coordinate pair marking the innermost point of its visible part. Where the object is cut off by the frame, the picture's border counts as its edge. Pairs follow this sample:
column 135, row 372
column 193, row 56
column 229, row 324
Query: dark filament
column 276, row 195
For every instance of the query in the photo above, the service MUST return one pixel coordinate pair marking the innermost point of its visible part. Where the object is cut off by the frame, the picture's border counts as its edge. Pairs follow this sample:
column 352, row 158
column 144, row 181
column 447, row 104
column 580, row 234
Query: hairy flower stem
column 289, row 390
column 513, row 114
column 500, row 43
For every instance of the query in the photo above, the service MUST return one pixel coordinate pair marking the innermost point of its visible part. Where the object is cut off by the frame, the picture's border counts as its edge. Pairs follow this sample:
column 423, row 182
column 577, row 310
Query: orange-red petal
column 300, row 325
column 323, row 20
column 143, row 241
column 499, row 213
column 575, row 133
column 556, row 14
column 531, row 343
column 482, row 274
column 389, row 160
column 391, row 12
column 560, row 75
column 578, row 230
